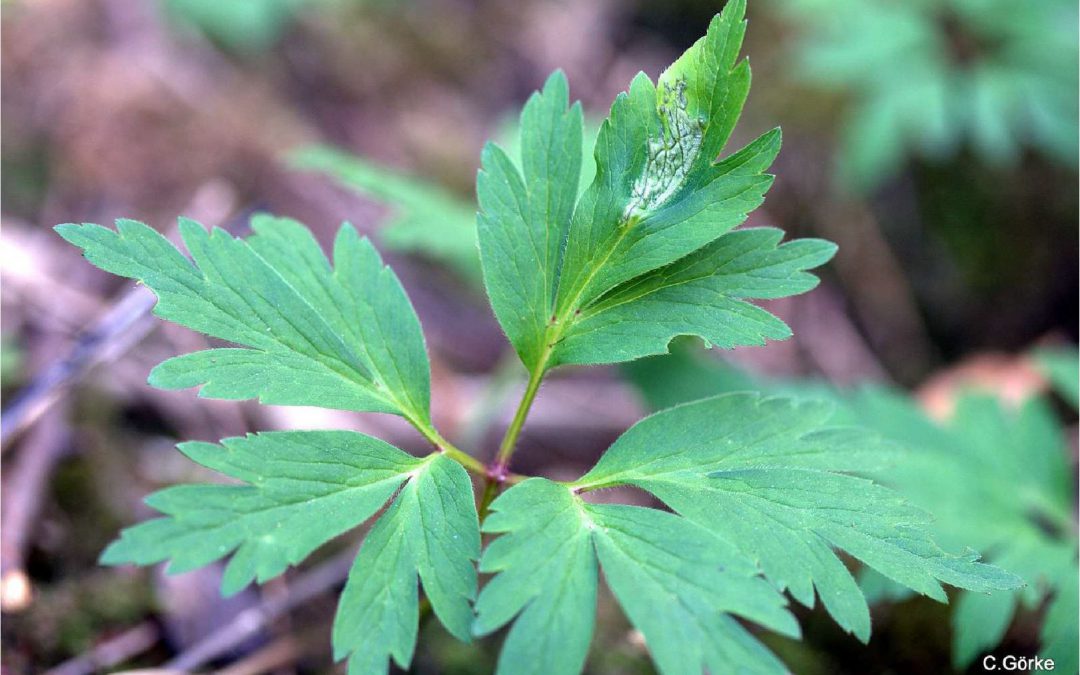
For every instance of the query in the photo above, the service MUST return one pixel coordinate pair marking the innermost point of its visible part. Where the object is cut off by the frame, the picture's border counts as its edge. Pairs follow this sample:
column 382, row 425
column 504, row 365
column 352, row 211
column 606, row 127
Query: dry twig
column 111, row 652
column 24, row 491
column 250, row 621
column 123, row 326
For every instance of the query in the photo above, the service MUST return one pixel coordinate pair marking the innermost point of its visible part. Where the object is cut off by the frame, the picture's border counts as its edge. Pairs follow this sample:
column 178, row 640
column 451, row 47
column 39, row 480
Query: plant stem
column 466, row 460
column 463, row 458
column 497, row 473
column 446, row 447
column 491, row 489
column 509, row 441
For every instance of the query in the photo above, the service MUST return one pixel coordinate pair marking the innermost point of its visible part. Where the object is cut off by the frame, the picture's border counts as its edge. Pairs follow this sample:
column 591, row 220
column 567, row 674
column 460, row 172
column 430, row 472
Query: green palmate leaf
column 766, row 494
column 303, row 488
column 770, row 477
column 424, row 218
column 343, row 337
column 997, row 481
column 678, row 584
column 645, row 254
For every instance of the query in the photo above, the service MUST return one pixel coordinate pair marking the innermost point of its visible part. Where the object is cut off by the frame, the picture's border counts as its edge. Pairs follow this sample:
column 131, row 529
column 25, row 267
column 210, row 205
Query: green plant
column 925, row 76
column 763, row 492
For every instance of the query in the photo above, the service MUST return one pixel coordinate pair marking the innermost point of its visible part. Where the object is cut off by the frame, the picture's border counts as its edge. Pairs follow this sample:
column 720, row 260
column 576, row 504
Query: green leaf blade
column 716, row 85
column 351, row 331
column 546, row 576
column 525, row 213
column 980, row 621
column 336, row 478
column 275, row 315
column 675, row 581
column 740, row 465
column 704, row 294
column 302, row 489
column 1062, row 621
column 589, row 283
column 997, row 481
column 446, row 536
column 431, row 534
column 678, row 584
column 377, row 614
column 658, row 195
column 387, row 329
column 241, row 374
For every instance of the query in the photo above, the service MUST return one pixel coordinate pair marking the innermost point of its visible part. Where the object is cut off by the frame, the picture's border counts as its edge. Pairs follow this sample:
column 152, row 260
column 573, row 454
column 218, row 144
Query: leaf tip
column 115, row 554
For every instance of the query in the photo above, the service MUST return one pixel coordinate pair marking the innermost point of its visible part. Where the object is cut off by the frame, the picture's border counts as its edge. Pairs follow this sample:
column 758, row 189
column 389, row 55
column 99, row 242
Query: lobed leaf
column 766, row 493
column 996, row 481
column 430, row 532
column 772, row 479
column 678, row 584
column 646, row 253
column 303, row 488
column 344, row 337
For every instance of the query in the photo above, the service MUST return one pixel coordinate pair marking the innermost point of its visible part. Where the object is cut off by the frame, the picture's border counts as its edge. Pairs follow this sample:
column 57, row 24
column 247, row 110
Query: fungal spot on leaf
column 670, row 155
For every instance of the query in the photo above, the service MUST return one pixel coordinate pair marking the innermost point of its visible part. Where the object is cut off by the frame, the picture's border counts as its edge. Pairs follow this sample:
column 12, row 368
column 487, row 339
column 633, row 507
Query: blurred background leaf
column 932, row 77
column 247, row 27
column 424, row 218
